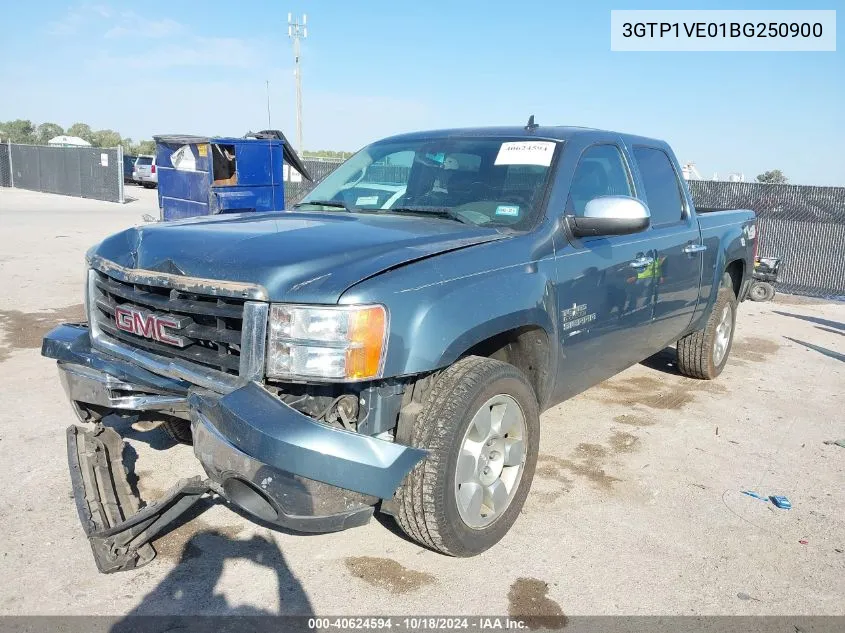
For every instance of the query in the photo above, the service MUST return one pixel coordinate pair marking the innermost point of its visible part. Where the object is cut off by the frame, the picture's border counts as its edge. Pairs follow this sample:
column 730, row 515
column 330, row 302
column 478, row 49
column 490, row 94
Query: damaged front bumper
column 259, row 453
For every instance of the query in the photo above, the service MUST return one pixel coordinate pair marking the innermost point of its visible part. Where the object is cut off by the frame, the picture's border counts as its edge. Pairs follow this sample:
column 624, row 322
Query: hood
column 297, row 257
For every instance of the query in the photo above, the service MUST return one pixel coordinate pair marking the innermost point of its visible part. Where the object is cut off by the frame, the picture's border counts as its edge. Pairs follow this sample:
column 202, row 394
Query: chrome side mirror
column 611, row 215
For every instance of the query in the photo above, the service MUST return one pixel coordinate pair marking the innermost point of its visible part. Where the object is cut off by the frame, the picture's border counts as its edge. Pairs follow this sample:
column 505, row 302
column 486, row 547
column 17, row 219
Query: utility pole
column 295, row 32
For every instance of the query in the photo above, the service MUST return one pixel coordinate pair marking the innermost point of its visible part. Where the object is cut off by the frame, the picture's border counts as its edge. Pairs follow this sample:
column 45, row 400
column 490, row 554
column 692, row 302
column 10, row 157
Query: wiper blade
column 325, row 203
column 441, row 212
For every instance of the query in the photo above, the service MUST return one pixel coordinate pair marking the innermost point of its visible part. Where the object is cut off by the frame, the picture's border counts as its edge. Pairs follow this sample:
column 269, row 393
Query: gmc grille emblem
column 151, row 325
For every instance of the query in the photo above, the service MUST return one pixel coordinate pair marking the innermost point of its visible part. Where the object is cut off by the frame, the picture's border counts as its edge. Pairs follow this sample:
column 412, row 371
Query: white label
column 723, row 30
column 526, row 153
column 104, row 160
column 366, row 200
column 510, row 210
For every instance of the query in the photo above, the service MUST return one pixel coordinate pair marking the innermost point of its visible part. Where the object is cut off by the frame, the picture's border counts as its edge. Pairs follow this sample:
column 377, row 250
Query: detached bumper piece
column 119, row 532
column 259, row 454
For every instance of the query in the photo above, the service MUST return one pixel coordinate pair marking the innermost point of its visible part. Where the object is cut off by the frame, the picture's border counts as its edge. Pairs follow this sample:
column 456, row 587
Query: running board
column 118, row 531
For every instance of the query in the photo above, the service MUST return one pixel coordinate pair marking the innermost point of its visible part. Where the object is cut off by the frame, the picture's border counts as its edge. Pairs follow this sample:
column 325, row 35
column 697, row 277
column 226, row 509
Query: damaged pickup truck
column 390, row 342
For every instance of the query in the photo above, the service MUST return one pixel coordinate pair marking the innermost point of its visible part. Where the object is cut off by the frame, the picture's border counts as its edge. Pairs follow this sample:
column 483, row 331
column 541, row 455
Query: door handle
column 641, row 262
column 694, row 248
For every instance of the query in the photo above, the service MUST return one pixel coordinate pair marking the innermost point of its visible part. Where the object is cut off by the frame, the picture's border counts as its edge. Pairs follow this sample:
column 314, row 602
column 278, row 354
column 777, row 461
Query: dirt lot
column 636, row 506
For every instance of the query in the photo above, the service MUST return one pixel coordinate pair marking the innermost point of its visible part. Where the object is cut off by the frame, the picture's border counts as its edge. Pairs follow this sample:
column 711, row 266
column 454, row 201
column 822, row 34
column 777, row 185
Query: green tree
column 18, row 131
column 144, row 147
column 82, row 130
column 325, row 153
column 773, row 177
column 45, row 131
column 104, row 138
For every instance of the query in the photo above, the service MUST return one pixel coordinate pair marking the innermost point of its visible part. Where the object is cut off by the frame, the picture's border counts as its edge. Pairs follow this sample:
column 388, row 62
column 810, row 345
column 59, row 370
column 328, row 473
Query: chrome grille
column 210, row 326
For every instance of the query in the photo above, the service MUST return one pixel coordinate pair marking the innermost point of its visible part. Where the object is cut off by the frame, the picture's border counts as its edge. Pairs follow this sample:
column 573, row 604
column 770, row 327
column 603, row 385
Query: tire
column 427, row 508
column 178, row 430
column 761, row 291
column 697, row 357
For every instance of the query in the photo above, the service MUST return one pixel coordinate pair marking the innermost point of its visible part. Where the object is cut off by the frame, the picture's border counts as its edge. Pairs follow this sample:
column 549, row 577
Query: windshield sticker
column 510, row 210
column 526, row 153
column 363, row 200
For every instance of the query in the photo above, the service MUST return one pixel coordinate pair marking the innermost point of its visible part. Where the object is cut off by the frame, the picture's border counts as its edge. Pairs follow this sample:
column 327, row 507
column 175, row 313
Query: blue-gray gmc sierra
column 391, row 342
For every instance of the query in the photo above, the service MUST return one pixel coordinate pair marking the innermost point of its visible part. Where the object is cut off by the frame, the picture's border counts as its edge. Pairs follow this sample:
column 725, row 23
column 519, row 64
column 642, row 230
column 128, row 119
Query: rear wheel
column 480, row 425
column 704, row 353
column 761, row 291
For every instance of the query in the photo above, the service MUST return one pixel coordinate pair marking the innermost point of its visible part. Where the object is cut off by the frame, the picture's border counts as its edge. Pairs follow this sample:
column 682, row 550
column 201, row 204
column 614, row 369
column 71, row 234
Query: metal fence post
column 11, row 167
column 120, row 173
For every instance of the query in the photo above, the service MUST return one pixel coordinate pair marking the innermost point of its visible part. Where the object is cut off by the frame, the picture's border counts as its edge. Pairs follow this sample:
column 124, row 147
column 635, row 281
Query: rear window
column 145, row 160
column 662, row 189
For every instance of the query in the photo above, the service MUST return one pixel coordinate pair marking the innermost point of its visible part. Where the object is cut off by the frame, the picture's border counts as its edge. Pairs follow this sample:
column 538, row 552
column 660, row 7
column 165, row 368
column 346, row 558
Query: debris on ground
column 840, row 443
column 780, row 502
column 751, row 493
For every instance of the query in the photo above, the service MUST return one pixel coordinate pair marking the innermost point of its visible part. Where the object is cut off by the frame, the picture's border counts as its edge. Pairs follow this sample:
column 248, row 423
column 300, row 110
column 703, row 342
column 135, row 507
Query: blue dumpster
column 200, row 175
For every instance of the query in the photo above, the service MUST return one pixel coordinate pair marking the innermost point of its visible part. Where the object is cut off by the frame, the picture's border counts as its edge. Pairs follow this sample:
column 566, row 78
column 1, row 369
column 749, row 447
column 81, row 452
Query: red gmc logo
column 150, row 325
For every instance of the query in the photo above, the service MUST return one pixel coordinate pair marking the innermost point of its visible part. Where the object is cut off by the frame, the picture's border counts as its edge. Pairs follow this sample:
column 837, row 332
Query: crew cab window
column 600, row 172
column 662, row 189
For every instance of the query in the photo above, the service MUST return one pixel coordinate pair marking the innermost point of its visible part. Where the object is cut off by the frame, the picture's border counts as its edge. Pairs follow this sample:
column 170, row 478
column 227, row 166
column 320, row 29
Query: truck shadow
column 836, row 325
column 818, row 348
column 666, row 360
column 186, row 598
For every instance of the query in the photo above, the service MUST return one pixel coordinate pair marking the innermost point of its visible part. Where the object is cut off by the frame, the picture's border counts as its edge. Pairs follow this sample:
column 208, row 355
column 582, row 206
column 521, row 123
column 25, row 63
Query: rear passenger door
column 676, row 239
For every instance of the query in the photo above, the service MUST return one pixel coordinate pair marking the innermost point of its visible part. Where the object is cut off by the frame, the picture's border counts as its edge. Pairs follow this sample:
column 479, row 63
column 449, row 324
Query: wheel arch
column 736, row 270
column 528, row 348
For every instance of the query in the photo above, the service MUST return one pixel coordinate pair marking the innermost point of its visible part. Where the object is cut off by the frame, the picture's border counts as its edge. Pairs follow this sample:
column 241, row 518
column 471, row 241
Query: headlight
column 334, row 343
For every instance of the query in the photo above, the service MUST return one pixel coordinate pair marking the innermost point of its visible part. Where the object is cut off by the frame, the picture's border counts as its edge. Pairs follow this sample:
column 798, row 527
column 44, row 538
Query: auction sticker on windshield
column 526, row 153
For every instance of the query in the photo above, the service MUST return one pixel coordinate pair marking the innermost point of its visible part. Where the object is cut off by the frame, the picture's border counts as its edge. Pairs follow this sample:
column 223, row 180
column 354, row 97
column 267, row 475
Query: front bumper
column 260, row 454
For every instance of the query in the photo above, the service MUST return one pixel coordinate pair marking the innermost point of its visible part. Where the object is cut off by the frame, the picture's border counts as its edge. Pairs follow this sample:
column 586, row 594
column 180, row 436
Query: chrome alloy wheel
column 491, row 461
column 723, row 335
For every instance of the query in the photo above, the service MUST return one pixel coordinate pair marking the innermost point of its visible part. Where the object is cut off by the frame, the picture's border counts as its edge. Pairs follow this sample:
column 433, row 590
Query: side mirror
column 611, row 215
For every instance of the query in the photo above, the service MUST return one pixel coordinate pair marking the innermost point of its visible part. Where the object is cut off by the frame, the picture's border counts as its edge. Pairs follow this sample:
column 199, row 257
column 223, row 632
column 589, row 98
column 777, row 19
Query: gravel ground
column 635, row 509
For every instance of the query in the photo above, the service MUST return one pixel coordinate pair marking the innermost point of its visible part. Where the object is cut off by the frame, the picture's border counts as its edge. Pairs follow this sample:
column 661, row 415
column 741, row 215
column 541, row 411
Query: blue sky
column 375, row 68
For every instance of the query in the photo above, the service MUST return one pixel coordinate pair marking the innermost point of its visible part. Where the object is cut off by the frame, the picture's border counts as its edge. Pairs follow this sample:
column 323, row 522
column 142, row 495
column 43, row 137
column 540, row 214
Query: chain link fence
column 87, row 172
column 5, row 166
column 802, row 225
column 296, row 187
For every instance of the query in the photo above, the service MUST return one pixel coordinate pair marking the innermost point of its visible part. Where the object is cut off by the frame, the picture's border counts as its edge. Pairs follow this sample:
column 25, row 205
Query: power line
column 297, row 31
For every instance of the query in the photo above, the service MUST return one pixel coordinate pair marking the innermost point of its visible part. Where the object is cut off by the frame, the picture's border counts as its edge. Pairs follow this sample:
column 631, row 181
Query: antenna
column 269, row 124
column 297, row 31
column 531, row 125
column 270, row 147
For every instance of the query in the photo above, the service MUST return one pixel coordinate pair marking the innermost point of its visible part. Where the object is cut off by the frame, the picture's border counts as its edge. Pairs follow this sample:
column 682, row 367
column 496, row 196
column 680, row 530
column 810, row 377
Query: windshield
column 483, row 181
column 145, row 160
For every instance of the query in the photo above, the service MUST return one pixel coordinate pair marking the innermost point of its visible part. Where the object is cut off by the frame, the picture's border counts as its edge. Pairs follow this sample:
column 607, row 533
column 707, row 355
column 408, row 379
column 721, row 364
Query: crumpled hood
column 297, row 257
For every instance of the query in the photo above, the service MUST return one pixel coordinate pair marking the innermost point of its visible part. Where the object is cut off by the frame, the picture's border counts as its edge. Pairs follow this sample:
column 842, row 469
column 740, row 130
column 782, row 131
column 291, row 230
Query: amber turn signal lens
column 366, row 337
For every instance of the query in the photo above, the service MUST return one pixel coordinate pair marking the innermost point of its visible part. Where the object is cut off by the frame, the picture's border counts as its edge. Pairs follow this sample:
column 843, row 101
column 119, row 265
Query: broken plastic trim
column 118, row 531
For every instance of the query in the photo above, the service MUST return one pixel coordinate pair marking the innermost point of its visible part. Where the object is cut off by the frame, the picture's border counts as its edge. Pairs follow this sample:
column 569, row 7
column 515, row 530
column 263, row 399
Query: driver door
column 606, row 289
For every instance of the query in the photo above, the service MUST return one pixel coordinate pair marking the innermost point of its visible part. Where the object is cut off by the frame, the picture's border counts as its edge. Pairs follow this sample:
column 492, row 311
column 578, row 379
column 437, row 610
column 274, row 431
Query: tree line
column 26, row 132
column 325, row 153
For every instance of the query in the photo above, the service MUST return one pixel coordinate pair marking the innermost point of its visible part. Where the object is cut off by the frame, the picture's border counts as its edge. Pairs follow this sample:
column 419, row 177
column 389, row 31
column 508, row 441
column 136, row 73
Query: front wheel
column 480, row 424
